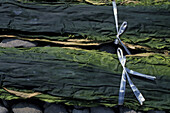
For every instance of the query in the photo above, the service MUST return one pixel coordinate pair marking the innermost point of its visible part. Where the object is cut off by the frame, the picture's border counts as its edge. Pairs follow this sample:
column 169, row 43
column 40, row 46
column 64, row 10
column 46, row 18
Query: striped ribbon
column 125, row 76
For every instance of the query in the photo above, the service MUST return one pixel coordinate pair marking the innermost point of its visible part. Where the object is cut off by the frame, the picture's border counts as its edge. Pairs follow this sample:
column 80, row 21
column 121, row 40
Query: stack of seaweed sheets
column 73, row 69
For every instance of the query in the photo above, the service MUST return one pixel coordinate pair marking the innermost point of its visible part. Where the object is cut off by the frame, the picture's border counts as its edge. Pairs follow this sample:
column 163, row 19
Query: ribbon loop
column 122, row 28
column 122, row 60
column 125, row 75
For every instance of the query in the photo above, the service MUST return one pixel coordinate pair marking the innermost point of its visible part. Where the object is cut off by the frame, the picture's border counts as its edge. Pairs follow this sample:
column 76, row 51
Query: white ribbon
column 122, row 27
column 125, row 75
column 122, row 60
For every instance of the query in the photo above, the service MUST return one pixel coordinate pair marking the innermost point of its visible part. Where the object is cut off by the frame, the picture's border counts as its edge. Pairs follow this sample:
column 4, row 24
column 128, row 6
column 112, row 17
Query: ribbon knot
column 122, row 60
column 122, row 27
column 125, row 76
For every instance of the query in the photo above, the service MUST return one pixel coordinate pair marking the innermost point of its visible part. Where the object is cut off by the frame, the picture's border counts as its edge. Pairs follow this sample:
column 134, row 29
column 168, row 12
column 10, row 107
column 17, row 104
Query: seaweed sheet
column 147, row 26
column 83, row 77
column 77, row 76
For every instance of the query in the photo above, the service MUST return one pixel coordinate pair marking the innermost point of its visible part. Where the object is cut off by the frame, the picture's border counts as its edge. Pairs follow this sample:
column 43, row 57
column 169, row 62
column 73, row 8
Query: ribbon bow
column 122, row 27
column 125, row 75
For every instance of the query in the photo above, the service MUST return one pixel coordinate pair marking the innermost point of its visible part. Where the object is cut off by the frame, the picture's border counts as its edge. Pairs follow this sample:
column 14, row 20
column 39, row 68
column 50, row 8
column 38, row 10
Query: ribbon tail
column 140, row 74
column 115, row 14
column 135, row 90
column 122, row 89
column 126, row 49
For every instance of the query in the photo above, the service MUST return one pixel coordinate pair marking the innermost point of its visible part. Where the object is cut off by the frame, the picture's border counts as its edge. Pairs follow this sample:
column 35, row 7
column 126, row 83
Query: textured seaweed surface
column 77, row 76
column 104, row 2
column 83, row 77
column 147, row 26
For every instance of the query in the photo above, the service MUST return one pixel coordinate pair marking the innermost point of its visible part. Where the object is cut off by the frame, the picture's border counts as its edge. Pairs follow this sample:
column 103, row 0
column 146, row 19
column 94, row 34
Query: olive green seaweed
column 84, row 77
column 147, row 25
column 75, row 76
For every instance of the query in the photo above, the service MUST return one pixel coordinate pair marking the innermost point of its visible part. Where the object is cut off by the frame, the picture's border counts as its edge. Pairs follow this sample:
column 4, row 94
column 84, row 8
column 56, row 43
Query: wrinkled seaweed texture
column 147, row 26
column 104, row 2
column 84, row 77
